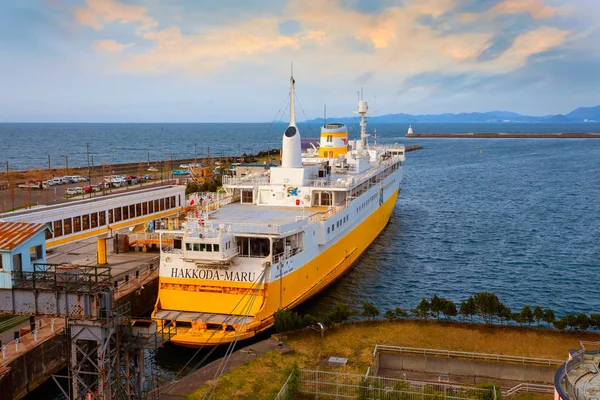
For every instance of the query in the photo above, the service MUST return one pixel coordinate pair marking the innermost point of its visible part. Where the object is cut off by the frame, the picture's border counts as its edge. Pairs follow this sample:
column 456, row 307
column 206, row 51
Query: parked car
column 179, row 172
column 184, row 166
column 71, row 191
column 152, row 169
column 52, row 182
column 148, row 177
column 96, row 188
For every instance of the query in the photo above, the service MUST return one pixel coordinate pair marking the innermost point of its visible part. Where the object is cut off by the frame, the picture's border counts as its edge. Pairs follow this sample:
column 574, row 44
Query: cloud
column 536, row 8
column 399, row 40
column 98, row 12
column 207, row 52
column 110, row 46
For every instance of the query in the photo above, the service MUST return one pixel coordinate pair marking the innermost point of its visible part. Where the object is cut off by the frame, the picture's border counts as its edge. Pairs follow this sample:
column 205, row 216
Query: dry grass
column 263, row 377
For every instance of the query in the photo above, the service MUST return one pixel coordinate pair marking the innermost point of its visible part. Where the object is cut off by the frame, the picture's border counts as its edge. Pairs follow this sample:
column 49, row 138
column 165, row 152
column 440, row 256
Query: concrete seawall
column 466, row 367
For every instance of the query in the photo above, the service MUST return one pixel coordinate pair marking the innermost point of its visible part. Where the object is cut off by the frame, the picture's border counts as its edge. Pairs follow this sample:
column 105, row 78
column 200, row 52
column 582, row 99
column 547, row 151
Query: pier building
column 21, row 245
column 80, row 219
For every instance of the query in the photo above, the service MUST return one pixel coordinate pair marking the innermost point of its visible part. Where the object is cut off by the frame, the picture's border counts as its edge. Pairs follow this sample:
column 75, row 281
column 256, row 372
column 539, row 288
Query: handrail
column 463, row 354
column 528, row 388
column 40, row 333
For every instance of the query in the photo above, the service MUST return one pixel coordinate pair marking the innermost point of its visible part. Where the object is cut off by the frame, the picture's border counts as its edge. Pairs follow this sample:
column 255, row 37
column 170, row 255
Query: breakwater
column 502, row 135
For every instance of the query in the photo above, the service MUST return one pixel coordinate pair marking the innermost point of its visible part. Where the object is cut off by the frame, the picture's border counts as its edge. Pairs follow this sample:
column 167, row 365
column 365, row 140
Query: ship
column 272, row 240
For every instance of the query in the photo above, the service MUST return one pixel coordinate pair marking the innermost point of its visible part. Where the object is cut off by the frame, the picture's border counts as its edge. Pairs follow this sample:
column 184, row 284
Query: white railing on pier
column 46, row 329
column 528, row 388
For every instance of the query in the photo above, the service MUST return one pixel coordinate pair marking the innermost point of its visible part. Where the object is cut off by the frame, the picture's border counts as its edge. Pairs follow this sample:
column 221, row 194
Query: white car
column 71, row 191
column 184, row 166
column 152, row 169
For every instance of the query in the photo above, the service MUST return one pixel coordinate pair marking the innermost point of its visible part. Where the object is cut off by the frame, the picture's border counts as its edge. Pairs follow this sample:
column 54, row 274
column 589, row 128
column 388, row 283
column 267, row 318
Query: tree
column 472, row 307
column 595, row 320
column 504, row 313
column 401, row 312
column 487, row 305
column 561, row 325
column 422, row 310
column 549, row 316
column 369, row 310
column 341, row 313
column 518, row 318
column 527, row 314
column 538, row 314
column 464, row 310
column 436, row 306
column 390, row 315
column 570, row 320
column 448, row 308
column 582, row 321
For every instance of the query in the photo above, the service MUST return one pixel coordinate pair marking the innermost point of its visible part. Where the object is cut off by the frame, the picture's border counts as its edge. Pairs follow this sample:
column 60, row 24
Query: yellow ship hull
column 286, row 293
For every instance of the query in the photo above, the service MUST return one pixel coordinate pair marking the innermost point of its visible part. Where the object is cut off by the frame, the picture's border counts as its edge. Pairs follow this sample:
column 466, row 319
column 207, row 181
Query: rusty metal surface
column 13, row 234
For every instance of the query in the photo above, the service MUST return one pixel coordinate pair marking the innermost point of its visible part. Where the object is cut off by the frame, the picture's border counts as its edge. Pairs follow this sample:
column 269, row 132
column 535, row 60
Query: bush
column 369, row 310
column 390, row 315
column 401, row 313
column 286, row 321
column 293, row 372
column 489, row 393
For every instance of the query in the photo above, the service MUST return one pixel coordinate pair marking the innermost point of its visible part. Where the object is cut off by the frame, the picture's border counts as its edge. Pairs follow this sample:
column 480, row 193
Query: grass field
column 263, row 377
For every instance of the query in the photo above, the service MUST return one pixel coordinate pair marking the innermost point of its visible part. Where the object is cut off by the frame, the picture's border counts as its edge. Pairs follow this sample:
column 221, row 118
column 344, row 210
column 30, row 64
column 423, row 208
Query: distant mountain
column 585, row 113
column 582, row 114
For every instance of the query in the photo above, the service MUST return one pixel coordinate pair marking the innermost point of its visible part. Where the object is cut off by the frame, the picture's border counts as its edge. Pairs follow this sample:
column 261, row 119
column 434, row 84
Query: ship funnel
column 291, row 147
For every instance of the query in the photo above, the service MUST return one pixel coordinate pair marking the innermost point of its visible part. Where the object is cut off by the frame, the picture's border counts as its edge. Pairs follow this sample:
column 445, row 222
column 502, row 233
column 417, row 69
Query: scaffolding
column 106, row 346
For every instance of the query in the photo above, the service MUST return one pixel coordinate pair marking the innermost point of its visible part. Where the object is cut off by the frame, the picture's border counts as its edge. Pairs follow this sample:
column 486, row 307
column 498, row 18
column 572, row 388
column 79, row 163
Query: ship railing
column 171, row 250
column 243, row 180
column 351, row 180
column 325, row 215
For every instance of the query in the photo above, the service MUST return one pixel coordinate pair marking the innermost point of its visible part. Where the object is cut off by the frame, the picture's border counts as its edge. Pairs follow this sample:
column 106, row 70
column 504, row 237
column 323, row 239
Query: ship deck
column 252, row 214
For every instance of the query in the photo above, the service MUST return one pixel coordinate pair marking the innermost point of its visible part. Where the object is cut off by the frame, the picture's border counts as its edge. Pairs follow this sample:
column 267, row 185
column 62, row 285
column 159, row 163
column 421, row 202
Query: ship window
column 150, row 207
column 325, row 199
column 102, row 216
column 132, row 211
column 177, row 243
column 209, row 247
column 328, row 229
column 255, row 247
column 215, row 247
column 332, row 228
column 86, row 222
column 110, row 216
column 117, row 214
column 125, row 212
column 199, row 246
column 188, row 246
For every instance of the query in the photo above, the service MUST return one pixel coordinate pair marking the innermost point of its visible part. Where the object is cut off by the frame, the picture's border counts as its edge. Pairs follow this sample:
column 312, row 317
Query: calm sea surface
column 519, row 217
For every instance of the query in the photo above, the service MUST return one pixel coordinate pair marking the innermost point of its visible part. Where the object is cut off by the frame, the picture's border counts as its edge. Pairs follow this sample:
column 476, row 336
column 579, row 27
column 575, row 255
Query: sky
column 229, row 60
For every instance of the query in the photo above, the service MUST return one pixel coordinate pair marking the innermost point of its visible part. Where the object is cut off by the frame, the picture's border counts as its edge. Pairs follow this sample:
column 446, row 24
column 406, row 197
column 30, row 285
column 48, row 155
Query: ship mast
column 363, row 108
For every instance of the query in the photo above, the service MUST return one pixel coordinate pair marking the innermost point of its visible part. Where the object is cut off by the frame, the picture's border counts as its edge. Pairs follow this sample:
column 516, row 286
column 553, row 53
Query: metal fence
column 353, row 386
column 284, row 393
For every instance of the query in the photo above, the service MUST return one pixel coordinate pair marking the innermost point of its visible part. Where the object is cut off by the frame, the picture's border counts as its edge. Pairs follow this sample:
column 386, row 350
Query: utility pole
column 67, row 162
column 148, row 158
column 195, row 154
column 87, row 150
column 91, row 191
